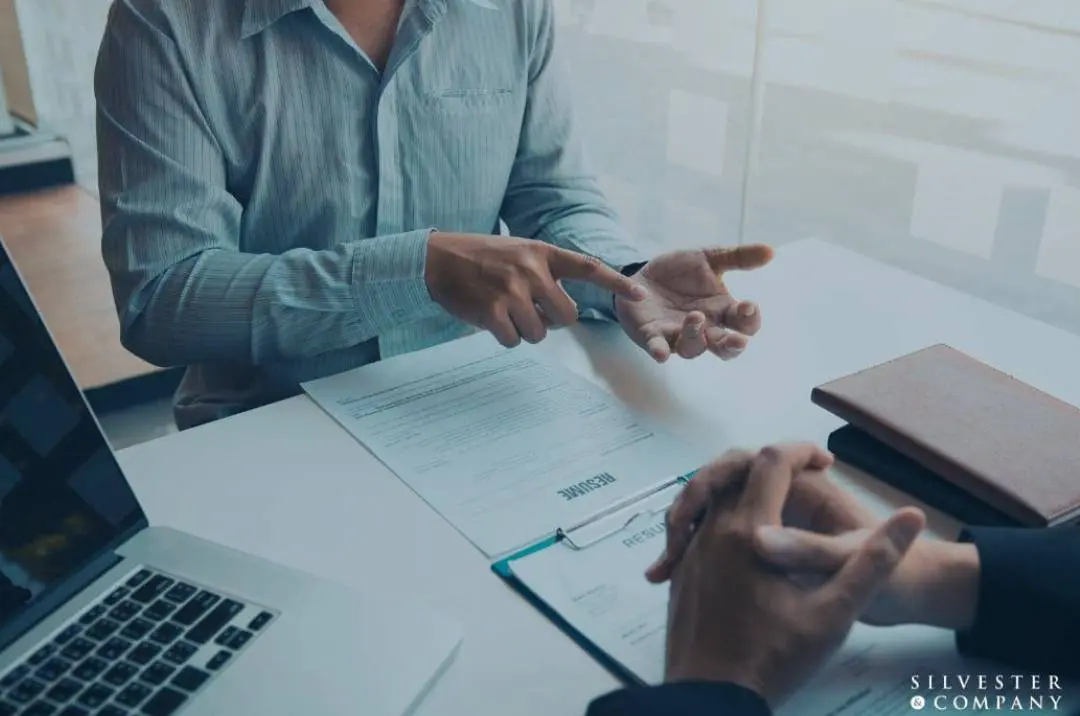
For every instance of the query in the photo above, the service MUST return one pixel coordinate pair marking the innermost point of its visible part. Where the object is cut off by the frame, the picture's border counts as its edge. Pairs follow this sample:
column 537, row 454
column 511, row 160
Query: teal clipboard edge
column 504, row 569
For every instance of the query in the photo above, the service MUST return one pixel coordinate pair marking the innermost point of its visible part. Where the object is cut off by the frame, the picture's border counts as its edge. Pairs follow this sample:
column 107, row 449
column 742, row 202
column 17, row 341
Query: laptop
column 102, row 614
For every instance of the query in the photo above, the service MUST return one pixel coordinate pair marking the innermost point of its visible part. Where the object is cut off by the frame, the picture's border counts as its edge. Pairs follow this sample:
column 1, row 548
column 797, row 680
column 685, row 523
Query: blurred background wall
column 942, row 136
column 54, row 85
column 13, row 71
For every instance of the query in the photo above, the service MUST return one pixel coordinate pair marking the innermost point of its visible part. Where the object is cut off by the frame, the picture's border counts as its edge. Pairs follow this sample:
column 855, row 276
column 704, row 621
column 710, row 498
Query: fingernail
column 730, row 352
column 747, row 309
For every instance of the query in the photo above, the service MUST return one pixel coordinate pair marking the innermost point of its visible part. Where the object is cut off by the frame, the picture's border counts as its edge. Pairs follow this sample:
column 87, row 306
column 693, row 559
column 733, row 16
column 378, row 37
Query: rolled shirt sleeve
column 552, row 195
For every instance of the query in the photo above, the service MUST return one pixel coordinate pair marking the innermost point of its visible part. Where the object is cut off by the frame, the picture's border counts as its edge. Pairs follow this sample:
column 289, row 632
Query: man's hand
column 735, row 619
column 726, row 473
column 510, row 287
column 688, row 309
column 936, row 584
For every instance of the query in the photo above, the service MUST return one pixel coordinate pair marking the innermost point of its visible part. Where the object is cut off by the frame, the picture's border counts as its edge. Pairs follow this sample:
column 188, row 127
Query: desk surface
column 54, row 238
column 287, row 483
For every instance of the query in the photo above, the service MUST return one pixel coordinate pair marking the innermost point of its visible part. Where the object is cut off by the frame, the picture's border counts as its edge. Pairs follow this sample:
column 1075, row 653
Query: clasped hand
column 734, row 617
column 771, row 562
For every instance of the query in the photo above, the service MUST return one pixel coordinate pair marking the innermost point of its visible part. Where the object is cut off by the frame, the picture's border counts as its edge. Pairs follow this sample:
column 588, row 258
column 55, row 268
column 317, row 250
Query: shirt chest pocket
column 464, row 102
column 466, row 142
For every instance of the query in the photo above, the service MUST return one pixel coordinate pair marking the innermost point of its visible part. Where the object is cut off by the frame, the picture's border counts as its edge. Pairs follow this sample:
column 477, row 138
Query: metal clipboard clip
column 614, row 519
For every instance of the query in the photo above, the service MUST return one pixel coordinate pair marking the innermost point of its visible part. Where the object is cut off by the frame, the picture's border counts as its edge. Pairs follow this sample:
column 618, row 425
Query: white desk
column 287, row 483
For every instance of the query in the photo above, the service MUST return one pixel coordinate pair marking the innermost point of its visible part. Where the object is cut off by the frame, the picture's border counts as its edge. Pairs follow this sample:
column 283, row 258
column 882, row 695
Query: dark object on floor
column 134, row 391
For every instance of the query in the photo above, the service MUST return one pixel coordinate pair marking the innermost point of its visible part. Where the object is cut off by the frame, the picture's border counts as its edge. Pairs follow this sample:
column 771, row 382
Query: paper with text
column 602, row 593
column 506, row 446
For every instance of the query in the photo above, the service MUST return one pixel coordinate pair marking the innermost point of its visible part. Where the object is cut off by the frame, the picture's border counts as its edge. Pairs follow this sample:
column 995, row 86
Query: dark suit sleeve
column 682, row 699
column 1029, row 599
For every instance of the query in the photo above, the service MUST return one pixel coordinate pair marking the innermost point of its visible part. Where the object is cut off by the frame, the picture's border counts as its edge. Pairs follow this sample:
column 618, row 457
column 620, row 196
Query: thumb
column 872, row 564
column 737, row 258
column 796, row 550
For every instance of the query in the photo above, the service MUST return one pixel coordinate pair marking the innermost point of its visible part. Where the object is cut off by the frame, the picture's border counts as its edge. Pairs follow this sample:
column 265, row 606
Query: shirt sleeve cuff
column 388, row 278
column 691, row 698
column 593, row 301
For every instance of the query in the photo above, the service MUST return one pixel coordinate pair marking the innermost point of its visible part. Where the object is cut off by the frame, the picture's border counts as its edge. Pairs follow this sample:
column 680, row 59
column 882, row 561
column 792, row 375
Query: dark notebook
column 958, row 434
column 854, row 447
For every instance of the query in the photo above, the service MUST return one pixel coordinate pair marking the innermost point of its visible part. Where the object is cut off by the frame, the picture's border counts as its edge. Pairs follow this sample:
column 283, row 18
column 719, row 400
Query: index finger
column 771, row 476
column 688, row 507
column 738, row 258
column 565, row 264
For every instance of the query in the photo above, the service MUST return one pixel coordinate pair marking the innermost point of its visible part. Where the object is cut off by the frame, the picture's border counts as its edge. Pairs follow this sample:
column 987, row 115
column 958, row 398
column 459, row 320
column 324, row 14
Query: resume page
column 507, row 447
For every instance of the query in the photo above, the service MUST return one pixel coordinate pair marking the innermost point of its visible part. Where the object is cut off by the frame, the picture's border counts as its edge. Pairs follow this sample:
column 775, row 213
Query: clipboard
column 604, row 524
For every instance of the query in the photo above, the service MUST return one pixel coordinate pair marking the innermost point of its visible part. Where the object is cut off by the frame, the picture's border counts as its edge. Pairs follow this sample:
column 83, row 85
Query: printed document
column 505, row 445
column 600, row 590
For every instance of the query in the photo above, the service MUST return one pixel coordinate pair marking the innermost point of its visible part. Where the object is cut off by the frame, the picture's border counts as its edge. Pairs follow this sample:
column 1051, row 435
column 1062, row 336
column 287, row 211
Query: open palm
column 689, row 309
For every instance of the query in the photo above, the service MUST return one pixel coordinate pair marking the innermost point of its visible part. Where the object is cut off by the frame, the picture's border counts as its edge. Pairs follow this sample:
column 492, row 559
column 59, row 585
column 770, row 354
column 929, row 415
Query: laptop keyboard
column 145, row 649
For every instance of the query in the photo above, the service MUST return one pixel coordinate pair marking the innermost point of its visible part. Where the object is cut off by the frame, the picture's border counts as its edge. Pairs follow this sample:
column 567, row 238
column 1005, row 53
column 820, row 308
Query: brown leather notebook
column 1007, row 444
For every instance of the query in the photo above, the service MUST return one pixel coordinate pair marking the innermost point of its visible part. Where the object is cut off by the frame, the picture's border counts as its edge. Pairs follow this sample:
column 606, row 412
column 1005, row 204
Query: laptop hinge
column 66, row 590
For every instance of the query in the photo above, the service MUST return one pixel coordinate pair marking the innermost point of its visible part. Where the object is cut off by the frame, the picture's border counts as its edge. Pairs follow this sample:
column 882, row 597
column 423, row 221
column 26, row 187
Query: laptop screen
column 63, row 498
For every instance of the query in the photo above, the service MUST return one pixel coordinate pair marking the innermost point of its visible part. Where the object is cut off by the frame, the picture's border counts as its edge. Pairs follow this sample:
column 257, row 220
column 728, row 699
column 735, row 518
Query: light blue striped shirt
column 267, row 193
